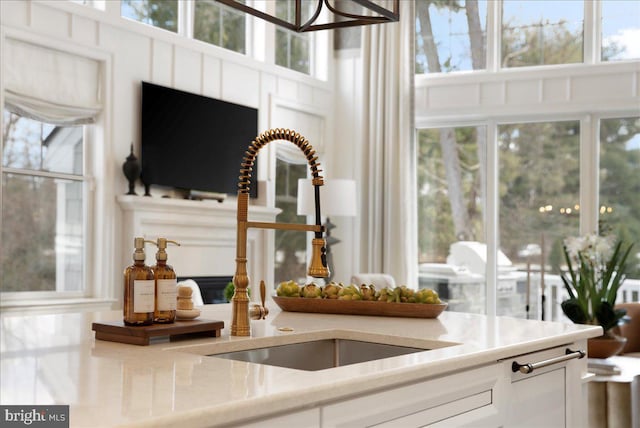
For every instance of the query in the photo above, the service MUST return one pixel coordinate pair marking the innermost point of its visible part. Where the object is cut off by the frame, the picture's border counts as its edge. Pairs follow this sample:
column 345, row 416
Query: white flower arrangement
column 594, row 248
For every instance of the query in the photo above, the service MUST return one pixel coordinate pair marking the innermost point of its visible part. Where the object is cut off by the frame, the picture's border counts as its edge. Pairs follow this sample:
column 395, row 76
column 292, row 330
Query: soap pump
column 165, row 285
column 139, row 288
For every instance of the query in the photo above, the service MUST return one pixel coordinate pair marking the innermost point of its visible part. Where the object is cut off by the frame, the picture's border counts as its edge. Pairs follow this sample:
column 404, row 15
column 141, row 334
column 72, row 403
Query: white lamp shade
column 337, row 197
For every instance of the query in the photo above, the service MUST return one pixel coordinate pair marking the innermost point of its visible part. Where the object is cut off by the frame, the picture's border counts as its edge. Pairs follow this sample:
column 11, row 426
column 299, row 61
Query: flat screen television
column 192, row 142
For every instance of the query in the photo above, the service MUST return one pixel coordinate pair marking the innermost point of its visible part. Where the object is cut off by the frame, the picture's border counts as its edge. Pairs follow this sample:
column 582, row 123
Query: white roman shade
column 50, row 85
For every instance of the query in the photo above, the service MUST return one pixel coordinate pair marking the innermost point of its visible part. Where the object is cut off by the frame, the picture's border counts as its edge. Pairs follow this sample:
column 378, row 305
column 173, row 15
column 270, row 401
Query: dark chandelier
column 373, row 12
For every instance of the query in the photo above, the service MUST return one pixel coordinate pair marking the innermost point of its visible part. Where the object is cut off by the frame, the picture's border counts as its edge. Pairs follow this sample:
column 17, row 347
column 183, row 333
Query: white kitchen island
column 464, row 379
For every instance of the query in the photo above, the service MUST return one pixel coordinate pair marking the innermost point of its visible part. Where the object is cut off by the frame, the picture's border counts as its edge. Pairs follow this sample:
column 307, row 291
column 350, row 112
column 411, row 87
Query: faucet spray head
column 318, row 266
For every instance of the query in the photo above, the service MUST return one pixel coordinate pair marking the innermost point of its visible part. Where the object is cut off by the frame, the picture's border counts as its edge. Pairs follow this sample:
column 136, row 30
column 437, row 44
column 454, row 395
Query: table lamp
column 337, row 198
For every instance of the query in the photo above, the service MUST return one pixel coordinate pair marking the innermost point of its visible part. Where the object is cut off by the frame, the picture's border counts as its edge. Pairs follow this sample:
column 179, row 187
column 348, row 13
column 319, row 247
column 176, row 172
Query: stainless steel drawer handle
column 528, row 368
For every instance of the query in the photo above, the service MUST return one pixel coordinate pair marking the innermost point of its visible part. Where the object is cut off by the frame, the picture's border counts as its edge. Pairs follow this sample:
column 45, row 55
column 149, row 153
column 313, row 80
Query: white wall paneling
column 137, row 52
column 187, row 72
column 287, row 89
column 161, row 55
column 211, row 77
column 84, row 30
column 307, row 120
column 240, row 84
column 52, row 22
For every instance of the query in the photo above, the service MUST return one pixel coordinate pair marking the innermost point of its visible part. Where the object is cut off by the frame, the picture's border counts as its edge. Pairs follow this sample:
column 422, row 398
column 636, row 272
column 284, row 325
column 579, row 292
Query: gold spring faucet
column 318, row 267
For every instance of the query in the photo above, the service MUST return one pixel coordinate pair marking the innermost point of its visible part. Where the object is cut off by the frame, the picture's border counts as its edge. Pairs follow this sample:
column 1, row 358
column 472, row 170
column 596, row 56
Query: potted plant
column 596, row 266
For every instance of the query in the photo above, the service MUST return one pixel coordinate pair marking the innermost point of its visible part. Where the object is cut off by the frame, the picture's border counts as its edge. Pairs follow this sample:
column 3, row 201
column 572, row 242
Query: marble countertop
column 55, row 359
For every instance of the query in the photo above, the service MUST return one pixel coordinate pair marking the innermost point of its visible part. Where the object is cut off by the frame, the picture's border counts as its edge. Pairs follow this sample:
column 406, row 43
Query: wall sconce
column 313, row 15
column 338, row 198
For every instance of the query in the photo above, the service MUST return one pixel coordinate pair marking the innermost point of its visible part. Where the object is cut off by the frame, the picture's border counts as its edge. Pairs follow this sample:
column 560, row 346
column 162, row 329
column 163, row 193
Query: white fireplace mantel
column 206, row 231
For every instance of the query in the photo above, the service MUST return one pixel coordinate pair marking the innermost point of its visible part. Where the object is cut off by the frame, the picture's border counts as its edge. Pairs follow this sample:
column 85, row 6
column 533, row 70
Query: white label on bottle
column 167, row 294
column 143, row 295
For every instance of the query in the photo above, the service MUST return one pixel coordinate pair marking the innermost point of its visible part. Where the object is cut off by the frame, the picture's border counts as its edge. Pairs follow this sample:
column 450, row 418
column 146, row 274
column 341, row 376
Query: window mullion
column 186, row 18
column 45, row 174
column 591, row 31
column 494, row 34
column 589, row 180
column 492, row 216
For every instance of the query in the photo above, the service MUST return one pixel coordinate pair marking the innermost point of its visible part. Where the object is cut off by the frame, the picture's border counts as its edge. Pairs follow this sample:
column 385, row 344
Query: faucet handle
column 259, row 312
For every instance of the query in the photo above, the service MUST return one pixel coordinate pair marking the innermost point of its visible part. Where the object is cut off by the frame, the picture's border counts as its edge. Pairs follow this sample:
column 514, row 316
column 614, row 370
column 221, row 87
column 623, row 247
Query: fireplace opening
column 211, row 287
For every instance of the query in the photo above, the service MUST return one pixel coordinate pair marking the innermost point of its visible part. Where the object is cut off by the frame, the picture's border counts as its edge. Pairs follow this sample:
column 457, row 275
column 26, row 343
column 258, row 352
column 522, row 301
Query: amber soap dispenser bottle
column 166, row 285
column 139, row 288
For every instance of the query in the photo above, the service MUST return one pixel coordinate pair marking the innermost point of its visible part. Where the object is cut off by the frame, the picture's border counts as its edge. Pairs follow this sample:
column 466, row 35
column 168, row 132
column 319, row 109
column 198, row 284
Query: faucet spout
column 318, row 268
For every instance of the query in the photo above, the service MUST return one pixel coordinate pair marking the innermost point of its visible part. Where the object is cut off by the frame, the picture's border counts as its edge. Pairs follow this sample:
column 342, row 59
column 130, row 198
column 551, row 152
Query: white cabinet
column 548, row 396
column 466, row 398
column 488, row 396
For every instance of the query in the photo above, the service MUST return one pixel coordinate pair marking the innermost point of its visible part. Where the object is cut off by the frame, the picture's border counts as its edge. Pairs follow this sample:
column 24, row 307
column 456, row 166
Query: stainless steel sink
column 319, row 354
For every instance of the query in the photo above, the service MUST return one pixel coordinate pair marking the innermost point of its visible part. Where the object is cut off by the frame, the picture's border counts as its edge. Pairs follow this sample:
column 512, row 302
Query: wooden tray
column 359, row 307
column 118, row 332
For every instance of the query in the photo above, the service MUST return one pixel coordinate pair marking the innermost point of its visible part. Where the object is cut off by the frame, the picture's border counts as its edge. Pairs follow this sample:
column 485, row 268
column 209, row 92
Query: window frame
column 99, row 288
column 87, row 225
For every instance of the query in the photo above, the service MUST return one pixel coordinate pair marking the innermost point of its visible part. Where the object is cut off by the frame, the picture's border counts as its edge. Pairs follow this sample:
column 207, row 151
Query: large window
column 620, row 182
column 512, row 159
column 538, row 200
column 452, row 36
column 43, row 206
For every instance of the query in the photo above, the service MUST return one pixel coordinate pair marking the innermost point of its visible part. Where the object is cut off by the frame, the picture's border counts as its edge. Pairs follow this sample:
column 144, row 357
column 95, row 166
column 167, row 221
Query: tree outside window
column 43, row 206
column 220, row 25
column 620, row 183
column 159, row 13
column 620, row 32
column 539, row 190
column 542, row 32
column 450, row 35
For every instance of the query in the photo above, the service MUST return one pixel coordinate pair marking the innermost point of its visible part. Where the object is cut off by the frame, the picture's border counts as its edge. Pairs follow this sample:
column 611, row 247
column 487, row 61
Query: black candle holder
column 132, row 169
column 147, row 186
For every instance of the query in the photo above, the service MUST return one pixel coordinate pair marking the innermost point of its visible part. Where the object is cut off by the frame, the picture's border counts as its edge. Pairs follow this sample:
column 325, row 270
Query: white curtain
column 389, row 214
column 50, row 85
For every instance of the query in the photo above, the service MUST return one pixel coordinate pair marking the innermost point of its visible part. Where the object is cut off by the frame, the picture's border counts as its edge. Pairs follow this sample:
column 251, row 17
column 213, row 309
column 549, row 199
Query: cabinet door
column 546, row 397
column 538, row 401
column 458, row 399
column 304, row 419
